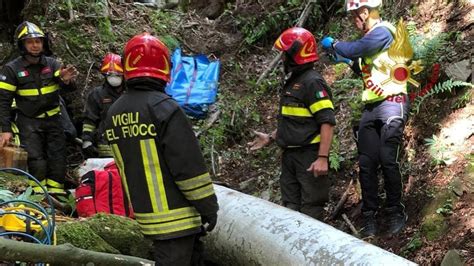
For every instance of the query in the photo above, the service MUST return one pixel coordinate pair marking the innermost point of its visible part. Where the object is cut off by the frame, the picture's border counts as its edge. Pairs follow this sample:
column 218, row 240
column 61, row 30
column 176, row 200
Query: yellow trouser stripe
column 119, row 161
column 52, row 183
column 56, row 190
column 317, row 139
column 295, row 111
column 199, row 193
column 7, row 86
column 36, row 92
column 33, row 183
column 170, row 227
column 171, row 215
column 154, row 177
column 194, row 182
column 319, row 105
column 50, row 112
column 88, row 128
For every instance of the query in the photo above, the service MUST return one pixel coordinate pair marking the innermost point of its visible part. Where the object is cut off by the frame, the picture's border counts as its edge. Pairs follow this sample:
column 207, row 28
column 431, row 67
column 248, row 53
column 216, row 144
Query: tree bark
column 304, row 15
column 66, row 254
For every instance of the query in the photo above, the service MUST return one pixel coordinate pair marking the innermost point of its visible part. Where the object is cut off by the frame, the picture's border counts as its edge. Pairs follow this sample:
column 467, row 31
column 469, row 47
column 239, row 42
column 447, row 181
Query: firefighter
column 381, row 127
column 34, row 81
column 305, row 126
column 159, row 157
column 98, row 103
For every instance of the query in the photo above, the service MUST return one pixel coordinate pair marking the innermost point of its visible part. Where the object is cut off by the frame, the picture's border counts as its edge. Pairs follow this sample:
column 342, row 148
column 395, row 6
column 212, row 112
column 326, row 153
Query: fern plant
column 439, row 88
column 437, row 150
column 335, row 159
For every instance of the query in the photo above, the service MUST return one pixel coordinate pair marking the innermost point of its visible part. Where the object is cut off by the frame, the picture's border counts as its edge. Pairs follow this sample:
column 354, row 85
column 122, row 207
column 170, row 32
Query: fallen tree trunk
column 252, row 231
column 66, row 254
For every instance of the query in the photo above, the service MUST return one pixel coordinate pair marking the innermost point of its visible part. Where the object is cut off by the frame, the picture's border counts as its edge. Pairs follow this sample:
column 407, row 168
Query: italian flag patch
column 321, row 94
column 23, row 74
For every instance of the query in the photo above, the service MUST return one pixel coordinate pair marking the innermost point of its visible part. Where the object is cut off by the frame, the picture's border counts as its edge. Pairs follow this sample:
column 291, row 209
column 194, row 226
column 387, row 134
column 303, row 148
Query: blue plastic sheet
column 194, row 83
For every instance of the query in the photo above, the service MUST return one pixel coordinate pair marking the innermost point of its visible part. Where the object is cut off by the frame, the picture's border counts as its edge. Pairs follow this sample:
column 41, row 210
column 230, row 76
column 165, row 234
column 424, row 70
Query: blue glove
column 340, row 59
column 327, row 42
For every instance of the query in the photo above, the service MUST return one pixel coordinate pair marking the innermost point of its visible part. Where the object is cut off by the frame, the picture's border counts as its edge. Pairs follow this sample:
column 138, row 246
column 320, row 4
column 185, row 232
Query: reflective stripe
column 52, row 183
column 33, row 183
column 119, row 161
column 104, row 150
column 170, row 215
column 50, row 112
column 199, row 193
column 194, row 182
column 319, row 105
column 88, row 128
column 16, row 135
column 295, row 111
column 170, row 227
column 57, row 73
column 38, row 190
column 23, row 32
column 36, row 92
column 316, row 139
column 154, row 177
column 7, row 86
column 56, row 191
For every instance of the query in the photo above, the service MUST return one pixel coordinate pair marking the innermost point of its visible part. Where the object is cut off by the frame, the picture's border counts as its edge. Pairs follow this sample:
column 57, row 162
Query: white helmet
column 356, row 4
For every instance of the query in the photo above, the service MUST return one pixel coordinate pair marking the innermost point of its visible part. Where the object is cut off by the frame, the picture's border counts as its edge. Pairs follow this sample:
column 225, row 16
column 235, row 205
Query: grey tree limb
column 302, row 19
column 66, row 254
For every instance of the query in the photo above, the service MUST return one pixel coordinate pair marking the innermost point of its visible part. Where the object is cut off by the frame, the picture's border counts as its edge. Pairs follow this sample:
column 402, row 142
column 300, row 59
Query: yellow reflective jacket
column 378, row 80
column 160, row 162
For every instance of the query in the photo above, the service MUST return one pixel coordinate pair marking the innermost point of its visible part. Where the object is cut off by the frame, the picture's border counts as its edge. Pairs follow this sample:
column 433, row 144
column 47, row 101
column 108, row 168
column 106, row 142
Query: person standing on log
column 159, row 157
column 305, row 126
column 34, row 80
column 385, row 113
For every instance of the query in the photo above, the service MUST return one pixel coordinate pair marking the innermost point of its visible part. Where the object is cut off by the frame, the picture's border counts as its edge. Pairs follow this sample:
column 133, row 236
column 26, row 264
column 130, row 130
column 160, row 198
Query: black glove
column 210, row 220
column 89, row 150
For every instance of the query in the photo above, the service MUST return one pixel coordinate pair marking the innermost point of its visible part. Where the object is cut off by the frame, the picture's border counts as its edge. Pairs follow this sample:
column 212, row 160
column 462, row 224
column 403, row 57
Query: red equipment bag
column 102, row 191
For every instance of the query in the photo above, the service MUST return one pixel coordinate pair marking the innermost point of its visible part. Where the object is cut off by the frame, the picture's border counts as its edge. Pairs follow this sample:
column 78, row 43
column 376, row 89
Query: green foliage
column 6, row 195
column 463, row 100
column 335, row 159
column 29, row 196
column 70, row 202
column 437, row 150
column 439, row 88
column 446, row 209
column 265, row 29
column 160, row 21
column 413, row 245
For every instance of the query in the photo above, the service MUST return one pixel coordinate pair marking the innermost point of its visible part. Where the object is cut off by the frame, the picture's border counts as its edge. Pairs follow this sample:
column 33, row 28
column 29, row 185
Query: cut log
column 66, row 254
column 252, row 231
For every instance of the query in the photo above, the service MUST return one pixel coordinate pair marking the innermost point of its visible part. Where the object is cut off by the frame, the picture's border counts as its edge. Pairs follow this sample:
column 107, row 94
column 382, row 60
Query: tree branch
column 66, row 254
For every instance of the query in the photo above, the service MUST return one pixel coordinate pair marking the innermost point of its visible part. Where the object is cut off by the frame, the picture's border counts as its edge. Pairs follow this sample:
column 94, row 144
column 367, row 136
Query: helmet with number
column 28, row 30
column 356, row 4
column 299, row 44
column 112, row 63
column 146, row 56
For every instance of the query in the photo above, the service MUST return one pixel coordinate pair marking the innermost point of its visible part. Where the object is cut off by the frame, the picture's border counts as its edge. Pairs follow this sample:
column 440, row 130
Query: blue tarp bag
column 194, row 83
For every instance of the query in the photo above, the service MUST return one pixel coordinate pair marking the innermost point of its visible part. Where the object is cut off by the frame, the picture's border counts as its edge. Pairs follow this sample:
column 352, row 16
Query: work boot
column 396, row 219
column 370, row 226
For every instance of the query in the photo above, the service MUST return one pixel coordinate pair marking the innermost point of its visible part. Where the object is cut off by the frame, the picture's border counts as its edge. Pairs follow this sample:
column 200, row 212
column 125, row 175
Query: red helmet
column 112, row 63
column 299, row 44
column 146, row 56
